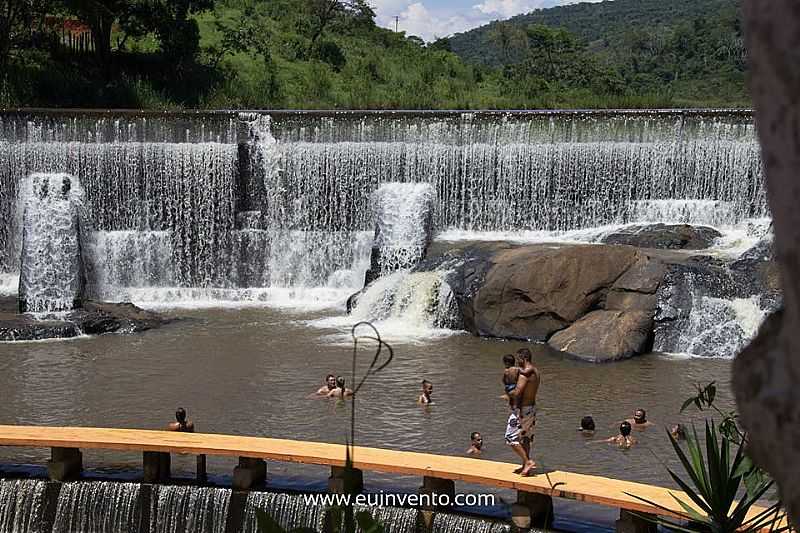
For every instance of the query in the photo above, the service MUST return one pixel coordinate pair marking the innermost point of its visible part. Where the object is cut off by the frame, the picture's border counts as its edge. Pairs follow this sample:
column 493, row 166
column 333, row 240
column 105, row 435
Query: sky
column 430, row 19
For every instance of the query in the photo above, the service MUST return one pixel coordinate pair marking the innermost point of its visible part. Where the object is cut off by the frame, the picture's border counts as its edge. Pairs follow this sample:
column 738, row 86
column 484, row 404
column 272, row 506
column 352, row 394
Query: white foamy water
column 402, row 213
column 719, row 327
column 9, row 284
column 403, row 305
column 51, row 276
column 689, row 211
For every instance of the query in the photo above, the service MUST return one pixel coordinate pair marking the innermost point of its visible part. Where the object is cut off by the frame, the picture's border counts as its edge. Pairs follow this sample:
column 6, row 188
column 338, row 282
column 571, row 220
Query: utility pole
column 396, row 23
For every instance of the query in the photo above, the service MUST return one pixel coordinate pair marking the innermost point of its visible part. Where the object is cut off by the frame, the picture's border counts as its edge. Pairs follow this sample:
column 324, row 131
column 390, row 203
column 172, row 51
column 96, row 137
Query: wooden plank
column 580, row 487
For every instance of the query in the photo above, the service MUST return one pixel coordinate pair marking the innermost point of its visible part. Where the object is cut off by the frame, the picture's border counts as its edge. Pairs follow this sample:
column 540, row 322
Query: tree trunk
column 101, row 36
column 766, row 375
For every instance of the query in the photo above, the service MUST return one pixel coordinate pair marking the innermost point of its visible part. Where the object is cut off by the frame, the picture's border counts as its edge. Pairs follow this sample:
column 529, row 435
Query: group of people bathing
column 521, row 380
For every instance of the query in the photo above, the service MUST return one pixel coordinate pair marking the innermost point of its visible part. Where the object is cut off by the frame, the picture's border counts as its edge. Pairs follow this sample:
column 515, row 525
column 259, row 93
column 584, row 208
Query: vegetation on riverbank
column 331, row 54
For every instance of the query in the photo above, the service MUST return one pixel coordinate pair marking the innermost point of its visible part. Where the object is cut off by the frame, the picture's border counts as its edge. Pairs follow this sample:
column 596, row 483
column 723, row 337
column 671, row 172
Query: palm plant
column 714, row 482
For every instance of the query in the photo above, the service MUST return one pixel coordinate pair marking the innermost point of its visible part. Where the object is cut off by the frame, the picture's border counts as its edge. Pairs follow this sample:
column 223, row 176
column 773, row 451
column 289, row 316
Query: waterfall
column 393, row 519
column 186, row 509
column 409, row 303
column 98, row 506
column 52, row 271
column 181, row 214
column 21, row 505
column 402, row 213
column 291, row 511
column 464, row 524
column 716, row 327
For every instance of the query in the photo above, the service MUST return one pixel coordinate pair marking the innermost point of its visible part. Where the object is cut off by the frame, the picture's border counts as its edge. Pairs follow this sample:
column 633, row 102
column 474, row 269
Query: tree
column 168, row 19
column 551, row 44
column 507, row 37
column 16, row 20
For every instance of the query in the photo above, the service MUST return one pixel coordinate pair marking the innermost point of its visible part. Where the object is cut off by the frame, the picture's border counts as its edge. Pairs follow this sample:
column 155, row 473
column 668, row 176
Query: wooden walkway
column 580, row 487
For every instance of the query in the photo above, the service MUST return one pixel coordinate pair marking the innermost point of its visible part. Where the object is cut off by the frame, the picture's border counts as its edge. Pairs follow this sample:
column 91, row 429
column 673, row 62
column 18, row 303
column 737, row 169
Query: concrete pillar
column 156, row 466
column 532, row 510
column 202, row 475
column 339, row 484
column 635, row 523
column 444, row 489
column 64, row 464
column 249, row 473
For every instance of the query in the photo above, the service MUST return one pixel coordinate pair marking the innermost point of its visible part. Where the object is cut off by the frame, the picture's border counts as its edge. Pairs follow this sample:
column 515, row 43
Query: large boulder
column 603, row 336
column 533, row 291
column 664, row 236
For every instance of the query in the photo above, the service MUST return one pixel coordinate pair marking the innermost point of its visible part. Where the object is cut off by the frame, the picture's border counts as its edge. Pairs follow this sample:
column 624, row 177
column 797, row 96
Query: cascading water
column 52, row 273
column 464, row 524
column 402, row 213
column 99, row 507
column 21, row 505
column 287, row 215
column 186, row 509
column 289, row 510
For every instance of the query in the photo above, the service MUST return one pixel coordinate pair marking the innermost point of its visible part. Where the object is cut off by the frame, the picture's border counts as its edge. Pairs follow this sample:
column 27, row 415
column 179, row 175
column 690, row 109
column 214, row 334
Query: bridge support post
column 64, row 464
column 339, row 483
column 437, row 490
column 156, row 466
column 249, row 473
column 532, row 510
column 635, row 523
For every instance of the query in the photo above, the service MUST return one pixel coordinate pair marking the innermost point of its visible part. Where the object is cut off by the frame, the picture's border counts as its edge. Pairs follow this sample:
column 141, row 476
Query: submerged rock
column 664, row 236
column 94, row 318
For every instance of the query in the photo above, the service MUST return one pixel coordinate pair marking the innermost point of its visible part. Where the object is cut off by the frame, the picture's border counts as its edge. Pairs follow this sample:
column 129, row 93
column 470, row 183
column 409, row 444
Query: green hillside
column 311, row 54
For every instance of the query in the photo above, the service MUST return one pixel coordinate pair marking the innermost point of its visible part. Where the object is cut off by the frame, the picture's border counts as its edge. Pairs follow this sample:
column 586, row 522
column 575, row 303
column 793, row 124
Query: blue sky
column 439, row 18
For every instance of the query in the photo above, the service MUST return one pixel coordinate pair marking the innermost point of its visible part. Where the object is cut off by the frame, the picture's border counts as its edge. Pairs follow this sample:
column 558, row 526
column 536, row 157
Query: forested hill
column 602, row 25
column 331, row 54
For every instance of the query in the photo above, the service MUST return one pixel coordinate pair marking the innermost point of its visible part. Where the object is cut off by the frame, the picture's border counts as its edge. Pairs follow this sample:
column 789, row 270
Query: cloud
column 418, row 17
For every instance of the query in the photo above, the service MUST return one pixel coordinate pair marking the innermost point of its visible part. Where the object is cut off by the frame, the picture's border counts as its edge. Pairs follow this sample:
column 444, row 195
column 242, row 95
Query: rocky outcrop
column 664, row 236
column 94, row 318
column 533, row 291
column 603, row 336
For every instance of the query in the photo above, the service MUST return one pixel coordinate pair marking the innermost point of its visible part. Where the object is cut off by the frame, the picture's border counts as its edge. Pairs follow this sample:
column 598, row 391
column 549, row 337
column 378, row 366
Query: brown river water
column 251, row 371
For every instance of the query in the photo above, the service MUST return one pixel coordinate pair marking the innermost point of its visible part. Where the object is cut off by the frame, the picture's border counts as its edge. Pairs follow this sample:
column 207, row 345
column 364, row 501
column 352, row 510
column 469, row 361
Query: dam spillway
column 209, row 204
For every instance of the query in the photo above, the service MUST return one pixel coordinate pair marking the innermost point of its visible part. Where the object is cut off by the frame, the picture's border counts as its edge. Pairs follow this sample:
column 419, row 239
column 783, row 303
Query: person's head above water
column 427, row 387
column 640, row 416
column 625, row 429
column 509, row 360
column 340, row 382
column 180, row 415
column 524, row 354
column 476, row 439
column 587, row 423
column 678, row 432
column 330, row 381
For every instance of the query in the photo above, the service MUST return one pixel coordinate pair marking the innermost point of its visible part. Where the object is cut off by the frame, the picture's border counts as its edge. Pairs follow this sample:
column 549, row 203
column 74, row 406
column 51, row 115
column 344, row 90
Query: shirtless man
column 330, row 384
column 340, row 391
column 476, row 443
column 624, row 439
column 521, row 427
column 181, row 424
column 639, row 420
column 427, row 390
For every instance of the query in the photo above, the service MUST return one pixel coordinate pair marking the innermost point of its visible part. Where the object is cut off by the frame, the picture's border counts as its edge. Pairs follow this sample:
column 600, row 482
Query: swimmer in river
column 181, row 424
column 624, row 439
column 427, row 390
column 330, row 384
column 639, row 420
column 678, row 432
column 510, row 376
column 476, row 443
column 340, row 391
column 587, row 426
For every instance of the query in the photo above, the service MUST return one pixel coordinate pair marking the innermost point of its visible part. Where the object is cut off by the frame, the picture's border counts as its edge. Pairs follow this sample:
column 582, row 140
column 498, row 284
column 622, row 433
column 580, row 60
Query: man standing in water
column 427, row 390
column 181, row 424
column 521, row 427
